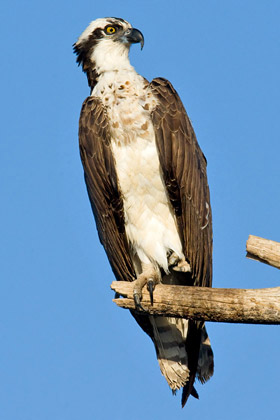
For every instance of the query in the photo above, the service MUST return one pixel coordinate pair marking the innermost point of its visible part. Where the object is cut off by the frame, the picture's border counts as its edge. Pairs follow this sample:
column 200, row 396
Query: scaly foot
column 150, row 277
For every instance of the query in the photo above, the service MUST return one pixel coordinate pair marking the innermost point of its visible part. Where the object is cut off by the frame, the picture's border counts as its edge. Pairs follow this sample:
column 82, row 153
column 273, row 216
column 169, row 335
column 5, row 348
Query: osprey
column 146, row 180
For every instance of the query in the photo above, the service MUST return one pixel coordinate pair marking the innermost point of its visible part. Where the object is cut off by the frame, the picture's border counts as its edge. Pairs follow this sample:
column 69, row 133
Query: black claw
column 150, row 287
column 137, row 302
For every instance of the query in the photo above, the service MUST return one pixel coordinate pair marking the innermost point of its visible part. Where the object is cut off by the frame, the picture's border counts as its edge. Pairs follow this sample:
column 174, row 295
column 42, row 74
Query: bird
column 146, row 180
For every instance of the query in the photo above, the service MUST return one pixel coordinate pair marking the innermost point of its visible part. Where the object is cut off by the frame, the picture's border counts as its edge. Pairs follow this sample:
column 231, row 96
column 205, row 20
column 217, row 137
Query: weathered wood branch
column 250, row 306
column 263, row 250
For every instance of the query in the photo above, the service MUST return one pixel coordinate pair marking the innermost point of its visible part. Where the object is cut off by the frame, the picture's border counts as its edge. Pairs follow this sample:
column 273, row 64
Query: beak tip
column 134, row 36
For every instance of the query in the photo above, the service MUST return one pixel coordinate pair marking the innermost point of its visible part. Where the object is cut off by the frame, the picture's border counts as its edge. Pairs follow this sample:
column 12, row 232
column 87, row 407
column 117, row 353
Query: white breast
column 149, row 219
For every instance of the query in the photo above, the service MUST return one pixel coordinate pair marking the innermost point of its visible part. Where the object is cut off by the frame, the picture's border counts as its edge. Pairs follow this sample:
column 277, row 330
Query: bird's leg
column 178, row 264
column 150, row 277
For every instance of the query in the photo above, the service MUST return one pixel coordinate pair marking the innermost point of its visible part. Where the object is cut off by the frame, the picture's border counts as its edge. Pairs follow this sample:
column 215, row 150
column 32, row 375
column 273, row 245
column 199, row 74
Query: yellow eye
column 110, row 30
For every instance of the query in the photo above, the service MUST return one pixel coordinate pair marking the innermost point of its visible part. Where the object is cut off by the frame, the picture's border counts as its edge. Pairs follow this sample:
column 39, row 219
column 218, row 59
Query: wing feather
column 184, row 172
column 102, row 186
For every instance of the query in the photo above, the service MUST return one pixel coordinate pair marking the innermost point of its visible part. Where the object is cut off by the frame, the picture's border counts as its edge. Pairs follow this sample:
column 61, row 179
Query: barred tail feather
column 184, row 353
column 169, row 336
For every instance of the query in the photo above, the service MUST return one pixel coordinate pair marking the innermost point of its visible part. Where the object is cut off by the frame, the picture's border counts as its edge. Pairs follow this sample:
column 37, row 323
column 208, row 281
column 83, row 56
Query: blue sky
column 67, row 352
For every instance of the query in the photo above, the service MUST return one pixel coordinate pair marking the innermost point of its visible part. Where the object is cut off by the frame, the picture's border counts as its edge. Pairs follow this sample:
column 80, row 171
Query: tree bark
column 249, row 306
column 263, row 250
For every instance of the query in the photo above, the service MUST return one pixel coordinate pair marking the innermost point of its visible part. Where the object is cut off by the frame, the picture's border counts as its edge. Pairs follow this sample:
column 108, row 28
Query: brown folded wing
column 102, row 187
column 184, row 171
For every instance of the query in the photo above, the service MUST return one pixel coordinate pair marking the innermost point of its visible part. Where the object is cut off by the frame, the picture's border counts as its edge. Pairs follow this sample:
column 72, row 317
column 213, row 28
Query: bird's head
column 104, row 46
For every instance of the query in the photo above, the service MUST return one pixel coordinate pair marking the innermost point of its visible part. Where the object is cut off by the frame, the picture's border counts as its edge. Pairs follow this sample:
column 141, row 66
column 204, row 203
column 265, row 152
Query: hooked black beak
column 133, row 36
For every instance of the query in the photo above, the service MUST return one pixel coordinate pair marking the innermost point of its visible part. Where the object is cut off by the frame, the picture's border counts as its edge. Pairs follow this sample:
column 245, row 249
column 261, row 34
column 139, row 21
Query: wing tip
column 187, row 392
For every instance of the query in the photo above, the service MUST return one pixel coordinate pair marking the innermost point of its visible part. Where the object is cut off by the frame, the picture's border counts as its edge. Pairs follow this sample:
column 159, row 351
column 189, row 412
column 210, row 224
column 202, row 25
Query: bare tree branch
column 250, row 306
column 263, row 250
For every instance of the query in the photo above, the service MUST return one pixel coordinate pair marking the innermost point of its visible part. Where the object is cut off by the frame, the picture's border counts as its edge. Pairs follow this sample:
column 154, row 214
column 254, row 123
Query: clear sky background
column 66, row 351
